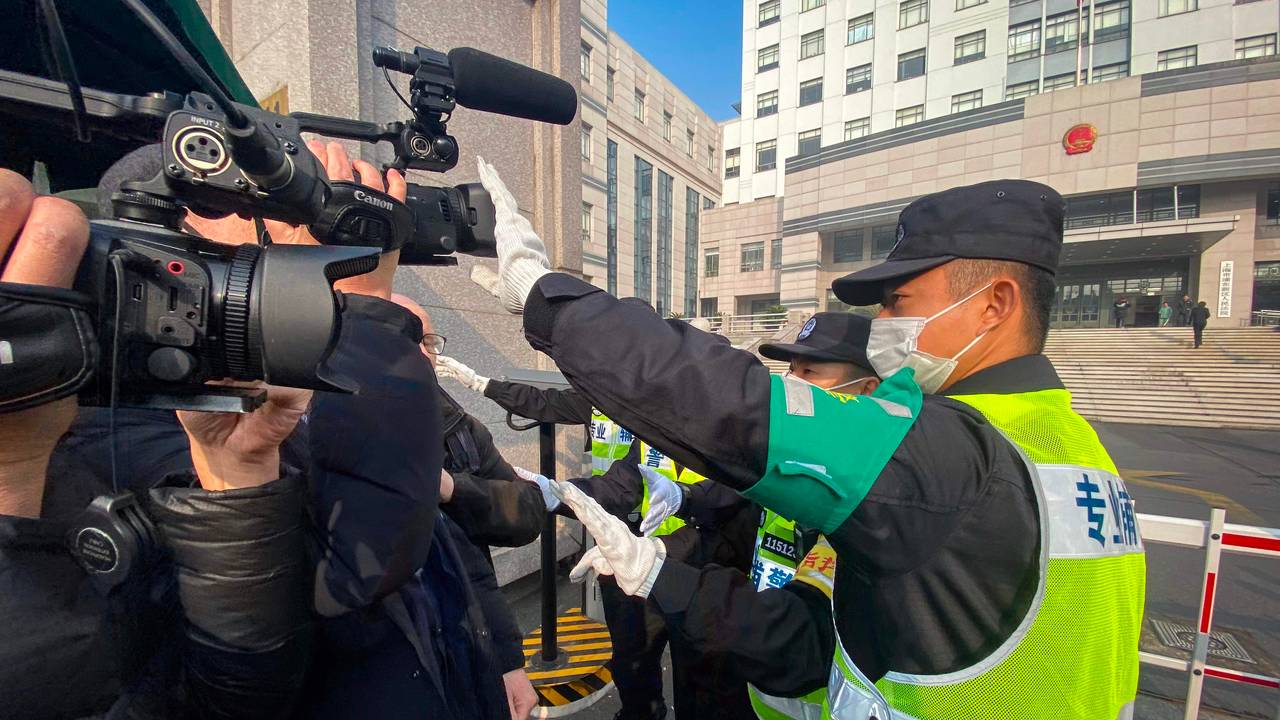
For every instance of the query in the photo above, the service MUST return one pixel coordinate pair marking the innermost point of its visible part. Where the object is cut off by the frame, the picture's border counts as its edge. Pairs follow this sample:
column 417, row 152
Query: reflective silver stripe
column 799, row 396
column 1090, row 512
column 847, row 701
column 891, row 407
column 791, row 707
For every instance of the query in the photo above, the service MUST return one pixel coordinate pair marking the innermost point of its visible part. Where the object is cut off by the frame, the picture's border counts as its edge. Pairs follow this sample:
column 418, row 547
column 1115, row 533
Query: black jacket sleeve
column 244, row 578
column 693, row 396
column 780, row 640
column 563, row 407
column 618, row 490
column 375, row 459
column 493, row 505
column 504, row 632
column 709, row 504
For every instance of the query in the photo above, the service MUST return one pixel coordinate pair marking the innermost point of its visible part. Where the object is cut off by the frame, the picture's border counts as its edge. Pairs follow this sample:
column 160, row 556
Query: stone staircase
column 1155, row 376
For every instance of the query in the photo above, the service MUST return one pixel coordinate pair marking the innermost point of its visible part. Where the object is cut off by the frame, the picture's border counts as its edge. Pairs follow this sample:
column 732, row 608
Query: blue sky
column 695, row 43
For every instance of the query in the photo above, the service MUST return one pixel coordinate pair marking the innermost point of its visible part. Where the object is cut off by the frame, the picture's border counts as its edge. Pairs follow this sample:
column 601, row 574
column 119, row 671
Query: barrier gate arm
column 1216, row 536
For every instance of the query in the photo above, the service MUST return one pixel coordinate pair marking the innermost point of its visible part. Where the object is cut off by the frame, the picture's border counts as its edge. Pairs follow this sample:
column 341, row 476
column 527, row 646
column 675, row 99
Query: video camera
column 172, row 310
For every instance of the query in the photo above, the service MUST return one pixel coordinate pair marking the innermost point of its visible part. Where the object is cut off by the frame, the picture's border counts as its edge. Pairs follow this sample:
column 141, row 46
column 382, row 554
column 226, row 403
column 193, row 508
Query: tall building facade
column 1154, row 117
column 650, row 168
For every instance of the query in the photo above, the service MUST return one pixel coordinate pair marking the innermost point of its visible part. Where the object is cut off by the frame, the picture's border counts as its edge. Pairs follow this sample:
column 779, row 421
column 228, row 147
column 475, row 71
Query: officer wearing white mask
column 987, row 560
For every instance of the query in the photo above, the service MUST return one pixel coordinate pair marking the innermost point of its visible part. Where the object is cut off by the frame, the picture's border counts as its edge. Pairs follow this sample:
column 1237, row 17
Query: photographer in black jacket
column 220, row 631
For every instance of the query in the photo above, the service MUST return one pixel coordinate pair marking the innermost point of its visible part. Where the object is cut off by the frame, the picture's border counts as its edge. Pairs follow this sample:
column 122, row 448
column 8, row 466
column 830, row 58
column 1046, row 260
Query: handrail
column 754, row 323
column 1264, row 317
column 1216, row 536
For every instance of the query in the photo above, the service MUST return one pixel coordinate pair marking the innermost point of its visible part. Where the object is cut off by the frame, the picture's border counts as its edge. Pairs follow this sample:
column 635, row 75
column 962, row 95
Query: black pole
column 547, row 467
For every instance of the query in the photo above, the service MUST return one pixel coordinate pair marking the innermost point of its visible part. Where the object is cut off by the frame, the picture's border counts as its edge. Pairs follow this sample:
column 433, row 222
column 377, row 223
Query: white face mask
column 891, row 346
column 833, row 388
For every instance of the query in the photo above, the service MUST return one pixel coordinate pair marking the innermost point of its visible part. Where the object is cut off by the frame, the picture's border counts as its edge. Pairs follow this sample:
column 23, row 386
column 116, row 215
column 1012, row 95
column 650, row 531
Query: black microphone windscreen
column 490, row 83
column 141, row 164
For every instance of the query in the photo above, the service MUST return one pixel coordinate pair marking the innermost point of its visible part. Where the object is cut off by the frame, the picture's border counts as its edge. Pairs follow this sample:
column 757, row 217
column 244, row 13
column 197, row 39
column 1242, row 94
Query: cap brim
column 866, row 287
column 787, row 351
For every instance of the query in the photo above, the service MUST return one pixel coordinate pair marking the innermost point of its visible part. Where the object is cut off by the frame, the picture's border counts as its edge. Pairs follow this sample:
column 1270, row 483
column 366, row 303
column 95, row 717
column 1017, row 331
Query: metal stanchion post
column 547, row 467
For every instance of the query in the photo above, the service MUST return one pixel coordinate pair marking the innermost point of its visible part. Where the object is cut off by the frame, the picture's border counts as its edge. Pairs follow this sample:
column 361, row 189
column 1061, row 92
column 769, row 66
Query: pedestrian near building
column 1199, row 319
column 1166, row 313
column 988, row 558
column 1119, row 309
column 1184, row 311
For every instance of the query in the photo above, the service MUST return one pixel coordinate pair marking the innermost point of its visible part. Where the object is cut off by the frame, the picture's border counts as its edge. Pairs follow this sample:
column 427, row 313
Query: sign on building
column 277, row 102
column 1224, row 288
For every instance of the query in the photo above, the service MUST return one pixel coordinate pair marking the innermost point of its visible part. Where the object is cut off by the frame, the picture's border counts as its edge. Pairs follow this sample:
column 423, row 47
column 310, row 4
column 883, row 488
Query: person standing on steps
column 1166, row 313
column 1199, row 318
column 1119, row 309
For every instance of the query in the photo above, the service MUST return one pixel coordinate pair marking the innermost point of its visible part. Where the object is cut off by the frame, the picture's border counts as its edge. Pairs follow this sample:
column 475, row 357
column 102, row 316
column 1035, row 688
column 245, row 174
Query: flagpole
column 1079, row 39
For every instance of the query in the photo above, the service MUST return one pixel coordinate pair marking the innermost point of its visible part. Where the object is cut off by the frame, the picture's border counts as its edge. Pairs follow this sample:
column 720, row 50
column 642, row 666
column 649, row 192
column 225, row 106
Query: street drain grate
column 1221, row 644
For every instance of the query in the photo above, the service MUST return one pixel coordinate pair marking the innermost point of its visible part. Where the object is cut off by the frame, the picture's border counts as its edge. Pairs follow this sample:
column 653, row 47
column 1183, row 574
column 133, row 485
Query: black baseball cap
column 1014, row 220
column 827, row 337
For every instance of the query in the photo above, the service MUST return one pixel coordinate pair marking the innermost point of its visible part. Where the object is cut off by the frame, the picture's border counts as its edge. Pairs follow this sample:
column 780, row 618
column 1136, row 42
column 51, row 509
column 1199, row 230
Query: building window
column 1256, row 46
column 911, row 64
column 586, row 142
column 586, row 223
column 811, row 91
column 708, row 203
column 692, row 205
column 912, row 12
column 1155, row 204
column 732, row 162
column 1024, row 41
column 966, row 4
column 1110, row 72
column 811, row 45
column 711, row 158
column 810, row 142
column 1175, row 7
column 966, row 101
column 639, row 109
column 666, row 126
column 1021, row 90
column 766, row 155
column 857, row 79
column 862, row 28
column 1061, row 31
column 769, row 12
column 883, row 239
column 1184, row 57
column 752, row 257
column 708, row 307
column 642, row 274
column 775, row 253
column 608, row 84
column 1188, row 201
column 846, row 246
column 1099, row 210
column 767, row 58
column 688, row 142
column 611, row 219
column 766, row 103
column 909, row 116
column 1111, row 21
column 971, row 47
column 854, row 129
column 807, row 5
column 584, row 62
column 711, row 263
column 1057, row 82
column 1273, row 206
column 665, row 219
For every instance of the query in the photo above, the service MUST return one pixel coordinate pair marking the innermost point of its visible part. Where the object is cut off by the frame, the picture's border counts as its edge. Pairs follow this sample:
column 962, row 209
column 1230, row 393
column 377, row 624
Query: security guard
column 989, row 562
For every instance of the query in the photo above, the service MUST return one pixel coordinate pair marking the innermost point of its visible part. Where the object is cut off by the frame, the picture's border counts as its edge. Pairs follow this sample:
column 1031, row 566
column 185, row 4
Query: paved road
column 1172, row 471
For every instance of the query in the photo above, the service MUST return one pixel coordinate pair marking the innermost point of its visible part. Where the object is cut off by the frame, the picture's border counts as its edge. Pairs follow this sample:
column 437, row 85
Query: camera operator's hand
column 447, row 367
column 522, row 257
column 43, row 239
column 238, row 450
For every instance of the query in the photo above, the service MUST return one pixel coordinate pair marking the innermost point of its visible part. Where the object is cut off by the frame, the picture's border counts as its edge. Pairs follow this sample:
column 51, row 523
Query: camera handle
column 418, row 144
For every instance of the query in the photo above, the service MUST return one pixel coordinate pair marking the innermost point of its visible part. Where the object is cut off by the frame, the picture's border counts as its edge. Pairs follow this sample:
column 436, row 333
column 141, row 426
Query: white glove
column 522, row 257
column 665, row 499
column 447, row 367
column 633, row 561
column 543, row 484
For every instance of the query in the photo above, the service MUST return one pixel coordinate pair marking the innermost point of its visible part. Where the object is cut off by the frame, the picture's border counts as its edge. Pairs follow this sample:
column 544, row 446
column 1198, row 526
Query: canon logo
column 365, row 197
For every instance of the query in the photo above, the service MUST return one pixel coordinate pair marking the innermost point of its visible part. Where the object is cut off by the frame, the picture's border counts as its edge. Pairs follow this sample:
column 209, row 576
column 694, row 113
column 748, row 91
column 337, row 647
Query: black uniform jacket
column 936, row 566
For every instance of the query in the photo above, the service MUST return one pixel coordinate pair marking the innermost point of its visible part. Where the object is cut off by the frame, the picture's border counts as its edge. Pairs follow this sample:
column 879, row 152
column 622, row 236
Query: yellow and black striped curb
column 582, row 672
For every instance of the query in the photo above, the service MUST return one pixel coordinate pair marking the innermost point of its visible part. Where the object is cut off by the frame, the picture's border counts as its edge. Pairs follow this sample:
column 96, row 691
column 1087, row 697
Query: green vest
column 609, row 442
column 1075, row 654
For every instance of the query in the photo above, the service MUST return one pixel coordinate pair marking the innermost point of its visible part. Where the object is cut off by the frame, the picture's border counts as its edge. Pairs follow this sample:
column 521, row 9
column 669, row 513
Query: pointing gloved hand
column 447, row 367
column 543, row 484
column 665, row 499
column 633, row 561
column 522, row 257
